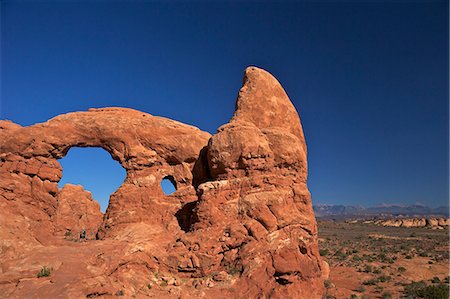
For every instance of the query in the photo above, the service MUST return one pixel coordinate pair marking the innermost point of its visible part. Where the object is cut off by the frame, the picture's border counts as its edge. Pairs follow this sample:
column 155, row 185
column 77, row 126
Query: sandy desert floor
column 369, row 261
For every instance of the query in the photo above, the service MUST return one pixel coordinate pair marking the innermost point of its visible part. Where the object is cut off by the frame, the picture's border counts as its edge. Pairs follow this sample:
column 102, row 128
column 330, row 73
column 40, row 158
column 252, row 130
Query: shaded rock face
column 75, row 211
column 239, row 225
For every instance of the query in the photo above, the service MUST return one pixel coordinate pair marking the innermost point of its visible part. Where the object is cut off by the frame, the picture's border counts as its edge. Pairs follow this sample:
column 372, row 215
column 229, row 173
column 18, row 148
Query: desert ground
column 371, row 261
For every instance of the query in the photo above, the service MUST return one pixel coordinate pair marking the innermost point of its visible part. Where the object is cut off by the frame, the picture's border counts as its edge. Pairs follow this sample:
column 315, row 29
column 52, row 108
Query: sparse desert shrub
column 414, row 287
column 368, row 269
column 327, row 284
column 384, row 278
column 386, row 295
column 435, row 280
column 324, row 252
column 356, row 258
column 421, row 290
column 385, row 259
column 401, row 269
column 353, row 296
column 68, row 233
column 361, row 289
column 340, row 255
column 370, row 282
column 44, row 272
column 233, row 270
column 408, row 257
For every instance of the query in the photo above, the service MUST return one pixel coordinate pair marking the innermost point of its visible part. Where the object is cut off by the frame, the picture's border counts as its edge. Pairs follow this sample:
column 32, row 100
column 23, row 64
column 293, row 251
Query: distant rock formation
column 434, row 223
column 345, row 212
column 240, row 225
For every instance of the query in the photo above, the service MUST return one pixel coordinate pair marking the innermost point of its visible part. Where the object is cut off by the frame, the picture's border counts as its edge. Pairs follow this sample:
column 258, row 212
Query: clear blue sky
column 370, row 80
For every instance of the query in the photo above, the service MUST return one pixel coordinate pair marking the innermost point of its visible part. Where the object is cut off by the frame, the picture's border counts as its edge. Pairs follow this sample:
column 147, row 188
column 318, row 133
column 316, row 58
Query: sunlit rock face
column 434, row 223
column 239, row 225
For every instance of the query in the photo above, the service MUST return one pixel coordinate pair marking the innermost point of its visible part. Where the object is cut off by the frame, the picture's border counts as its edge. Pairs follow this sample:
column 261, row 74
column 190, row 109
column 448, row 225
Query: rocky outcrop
column 75, row 211
column 435, row 223
column 240, row 224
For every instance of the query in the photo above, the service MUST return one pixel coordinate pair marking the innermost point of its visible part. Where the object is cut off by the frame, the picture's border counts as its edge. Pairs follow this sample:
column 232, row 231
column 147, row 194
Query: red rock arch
column 253, row 210
column 148, row 148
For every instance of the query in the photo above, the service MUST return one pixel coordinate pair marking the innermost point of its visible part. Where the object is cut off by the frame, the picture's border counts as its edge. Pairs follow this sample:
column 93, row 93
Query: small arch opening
column 168, row 185
column 95, row 170
column 303, row 250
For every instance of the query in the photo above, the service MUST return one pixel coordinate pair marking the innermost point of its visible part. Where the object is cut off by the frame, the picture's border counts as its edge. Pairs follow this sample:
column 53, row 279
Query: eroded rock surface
column 434, row 223
column 240, row 224
column 75, row 211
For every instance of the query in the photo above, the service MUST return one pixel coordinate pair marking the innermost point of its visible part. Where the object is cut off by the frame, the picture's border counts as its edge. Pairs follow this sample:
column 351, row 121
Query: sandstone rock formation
column 240, row 224
column 434, row 223
column 76, row 211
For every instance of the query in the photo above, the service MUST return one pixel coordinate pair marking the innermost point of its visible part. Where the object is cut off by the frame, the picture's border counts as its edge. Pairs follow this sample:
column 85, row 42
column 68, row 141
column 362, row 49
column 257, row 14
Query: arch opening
column 168, row 185
column 95, row 170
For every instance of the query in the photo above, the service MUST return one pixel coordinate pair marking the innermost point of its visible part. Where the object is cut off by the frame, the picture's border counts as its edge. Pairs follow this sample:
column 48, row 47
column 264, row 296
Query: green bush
column 356, row 258
column 340, row 255
column 421, row 290
column 370, row 282
column 435, row 280
column 401, row 269
column 44, row 272
column 386, row 295
column 324, row 252
column 234, row 270
column 384, row 278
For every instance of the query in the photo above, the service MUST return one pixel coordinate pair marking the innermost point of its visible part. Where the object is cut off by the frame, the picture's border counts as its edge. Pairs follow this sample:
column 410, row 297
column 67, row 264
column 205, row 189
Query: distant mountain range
column 341, row 211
